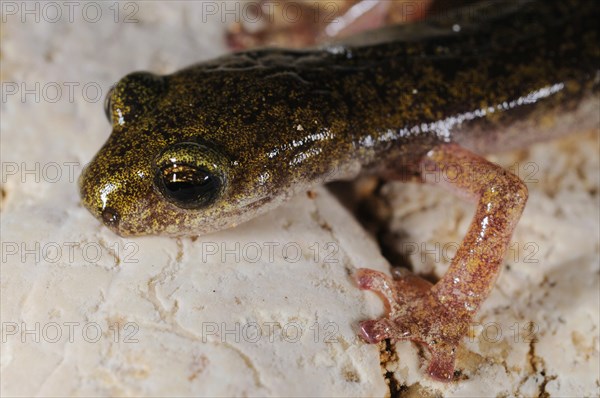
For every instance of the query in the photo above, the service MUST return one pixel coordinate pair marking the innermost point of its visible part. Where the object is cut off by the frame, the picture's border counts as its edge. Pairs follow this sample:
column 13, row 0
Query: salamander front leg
column 439, row 315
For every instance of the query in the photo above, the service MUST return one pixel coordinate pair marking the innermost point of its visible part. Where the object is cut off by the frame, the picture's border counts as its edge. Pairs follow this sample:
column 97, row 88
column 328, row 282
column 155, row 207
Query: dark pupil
column 189, row 187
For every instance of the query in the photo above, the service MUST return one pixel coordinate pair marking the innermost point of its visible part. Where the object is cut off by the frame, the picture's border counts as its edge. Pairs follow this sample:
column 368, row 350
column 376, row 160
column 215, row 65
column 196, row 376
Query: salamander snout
column 117, row 194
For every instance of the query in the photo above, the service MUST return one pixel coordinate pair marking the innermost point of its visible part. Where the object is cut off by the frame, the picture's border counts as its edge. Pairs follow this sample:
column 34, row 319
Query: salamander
column 218, row 143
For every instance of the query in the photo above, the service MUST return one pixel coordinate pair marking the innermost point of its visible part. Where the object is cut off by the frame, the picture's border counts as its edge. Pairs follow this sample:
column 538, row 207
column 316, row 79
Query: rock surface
column 268, row 308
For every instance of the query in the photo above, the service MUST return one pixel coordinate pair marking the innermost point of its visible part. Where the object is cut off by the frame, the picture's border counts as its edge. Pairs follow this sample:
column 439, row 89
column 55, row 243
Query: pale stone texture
column 180, row 317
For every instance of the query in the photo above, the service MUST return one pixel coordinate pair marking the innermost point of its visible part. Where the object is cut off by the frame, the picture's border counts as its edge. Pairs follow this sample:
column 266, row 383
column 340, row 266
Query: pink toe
column 371, row 331
column 441, row 366
column 365, row 278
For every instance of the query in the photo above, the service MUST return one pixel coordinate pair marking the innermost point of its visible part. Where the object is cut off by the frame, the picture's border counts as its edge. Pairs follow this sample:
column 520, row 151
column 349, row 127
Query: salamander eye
column 187, row 176
column 189, row 187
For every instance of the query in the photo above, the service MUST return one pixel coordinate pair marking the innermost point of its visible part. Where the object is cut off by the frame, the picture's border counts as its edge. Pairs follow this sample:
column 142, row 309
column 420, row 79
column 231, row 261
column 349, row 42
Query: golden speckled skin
column 278, row 121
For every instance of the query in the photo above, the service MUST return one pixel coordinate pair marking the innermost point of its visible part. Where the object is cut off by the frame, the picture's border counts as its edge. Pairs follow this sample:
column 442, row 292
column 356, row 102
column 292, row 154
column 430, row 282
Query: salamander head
column 160, row 172
column 215, row 144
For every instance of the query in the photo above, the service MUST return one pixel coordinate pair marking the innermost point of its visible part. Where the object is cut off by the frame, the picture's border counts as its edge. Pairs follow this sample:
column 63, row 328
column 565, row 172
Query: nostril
column 110, row 217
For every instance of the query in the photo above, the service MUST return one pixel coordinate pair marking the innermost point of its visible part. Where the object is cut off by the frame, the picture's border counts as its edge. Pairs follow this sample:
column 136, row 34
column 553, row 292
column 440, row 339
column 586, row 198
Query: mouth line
column 115, row 221
column 255, row 203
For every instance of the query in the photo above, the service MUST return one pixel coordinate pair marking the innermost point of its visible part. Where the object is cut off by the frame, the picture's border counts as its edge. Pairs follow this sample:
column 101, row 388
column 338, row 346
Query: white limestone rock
column 158, row 316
